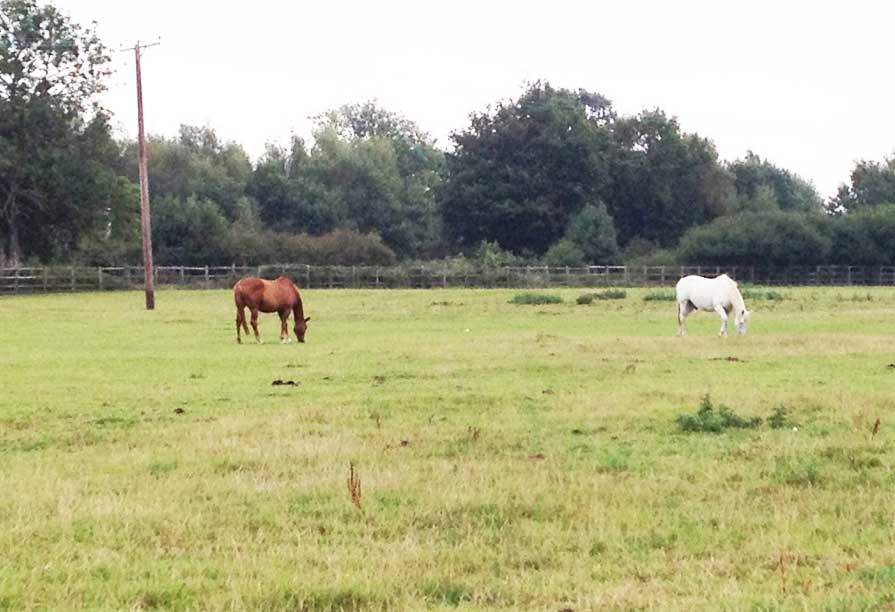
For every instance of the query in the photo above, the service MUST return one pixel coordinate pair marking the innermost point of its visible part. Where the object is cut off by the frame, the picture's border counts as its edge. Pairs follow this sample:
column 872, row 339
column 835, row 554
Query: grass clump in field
column 709, row 420
column 607, row 294
column 779, row 418
column 660, row 296
column 535, row 298
column 760, row 294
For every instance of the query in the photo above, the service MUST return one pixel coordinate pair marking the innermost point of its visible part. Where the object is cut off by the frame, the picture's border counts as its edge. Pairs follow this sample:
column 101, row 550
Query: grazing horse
column 721, row 295
column 280, row 296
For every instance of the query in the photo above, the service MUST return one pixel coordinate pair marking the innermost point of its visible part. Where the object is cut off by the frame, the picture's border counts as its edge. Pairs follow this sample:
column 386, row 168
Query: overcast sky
column 807, row 85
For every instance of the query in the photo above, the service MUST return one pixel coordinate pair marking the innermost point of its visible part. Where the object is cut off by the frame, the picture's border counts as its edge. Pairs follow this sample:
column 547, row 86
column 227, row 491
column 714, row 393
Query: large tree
column 196, row 163
column 51, row 71
column 519, row 173
column 760, row 185
column 372, row 170
column 663, row 180
column 872, row 183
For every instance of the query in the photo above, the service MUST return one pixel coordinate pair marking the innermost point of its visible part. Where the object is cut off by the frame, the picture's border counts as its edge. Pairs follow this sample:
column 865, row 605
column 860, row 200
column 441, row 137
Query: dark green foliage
column 663, row 180
column 535, row 298
column 709, row 420
column 660, row 296
column 592, row 231
column 564, row 253
column 779, row 418
column 762, row 186
column 519, row 174
column 608, row 294
column 765, row 238
column 56, row 183
column 190, row 231
column 872, row 183
column 490, row 255
column 865, row 237
column 196, row 164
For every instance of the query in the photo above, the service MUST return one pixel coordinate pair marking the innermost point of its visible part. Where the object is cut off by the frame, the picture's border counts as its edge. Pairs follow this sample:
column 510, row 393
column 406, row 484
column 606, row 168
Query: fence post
column 182, row 277
column 45, row 280
column 663, row 275
column 72, row 278
column 99, row 277
column 444, row 277
column 15, row 280
column 848, row 275
column 206, row 277
column 307, row 276
column 259, row 272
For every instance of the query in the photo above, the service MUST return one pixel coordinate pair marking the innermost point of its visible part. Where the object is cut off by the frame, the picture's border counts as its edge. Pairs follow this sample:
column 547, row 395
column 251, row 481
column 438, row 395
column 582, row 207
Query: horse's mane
column 736, row 297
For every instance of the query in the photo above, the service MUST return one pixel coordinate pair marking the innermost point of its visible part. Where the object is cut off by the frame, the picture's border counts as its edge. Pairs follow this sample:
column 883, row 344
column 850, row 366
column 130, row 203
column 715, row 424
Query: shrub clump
column 608, row 294
column 660, row 296
column 535, row 298
column 708, row 419
column 779, row 418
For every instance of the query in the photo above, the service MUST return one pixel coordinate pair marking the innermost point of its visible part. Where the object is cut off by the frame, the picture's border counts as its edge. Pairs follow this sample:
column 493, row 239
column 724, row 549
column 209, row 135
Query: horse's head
column 742, row 320
column 301, row 328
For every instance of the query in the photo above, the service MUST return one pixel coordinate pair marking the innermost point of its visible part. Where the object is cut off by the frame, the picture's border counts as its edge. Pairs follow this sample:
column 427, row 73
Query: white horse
column 720, row 295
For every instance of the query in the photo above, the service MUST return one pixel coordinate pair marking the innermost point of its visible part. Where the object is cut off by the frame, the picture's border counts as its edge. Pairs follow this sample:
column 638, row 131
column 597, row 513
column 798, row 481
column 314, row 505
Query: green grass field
column 511, row 457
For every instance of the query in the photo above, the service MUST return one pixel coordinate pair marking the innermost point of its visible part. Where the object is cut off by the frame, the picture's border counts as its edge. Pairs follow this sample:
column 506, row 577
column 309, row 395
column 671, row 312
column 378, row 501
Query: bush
column 341, row 247
column 709, row 420
column 758, row 238
column 660, row 296
column 535, row 298
column 592, row 231
column 608, row 294
column 865, row 237
column 779, row 418
column 490, row 255
column 564, row 253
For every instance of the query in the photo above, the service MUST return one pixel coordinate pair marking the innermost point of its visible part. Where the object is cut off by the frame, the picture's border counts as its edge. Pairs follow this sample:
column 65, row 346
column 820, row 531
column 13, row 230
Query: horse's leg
column 683, row 309
column 255, row 325
column 284, row 330
column 240, row 321
column 723, row 314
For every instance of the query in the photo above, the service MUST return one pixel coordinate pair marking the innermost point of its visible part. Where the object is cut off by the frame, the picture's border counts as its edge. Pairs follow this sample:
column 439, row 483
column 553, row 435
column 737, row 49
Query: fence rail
column 75, row 278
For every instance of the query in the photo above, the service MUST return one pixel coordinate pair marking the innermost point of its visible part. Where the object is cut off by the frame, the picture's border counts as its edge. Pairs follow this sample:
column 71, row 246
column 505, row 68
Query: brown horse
column 280, row 296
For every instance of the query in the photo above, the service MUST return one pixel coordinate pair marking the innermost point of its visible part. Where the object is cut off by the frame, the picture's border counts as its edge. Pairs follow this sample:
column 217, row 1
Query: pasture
column 510, row 457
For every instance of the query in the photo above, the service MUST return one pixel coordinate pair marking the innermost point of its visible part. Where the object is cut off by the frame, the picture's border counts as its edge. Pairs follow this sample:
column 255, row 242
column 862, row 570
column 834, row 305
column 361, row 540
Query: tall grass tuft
column 535, row 298
column 709, row 420
column 607, row 294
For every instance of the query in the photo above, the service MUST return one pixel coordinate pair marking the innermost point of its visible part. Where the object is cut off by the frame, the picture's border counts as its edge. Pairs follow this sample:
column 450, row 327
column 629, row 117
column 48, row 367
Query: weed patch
column 660, row 296
column 780, row 419
column 535, row 299
column 608, row 294
column 709, row 420
column 446, row 592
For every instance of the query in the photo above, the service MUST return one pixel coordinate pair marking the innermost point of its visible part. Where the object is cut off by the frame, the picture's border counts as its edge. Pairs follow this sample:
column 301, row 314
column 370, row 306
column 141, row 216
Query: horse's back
column 265, row 295
column 705, row 293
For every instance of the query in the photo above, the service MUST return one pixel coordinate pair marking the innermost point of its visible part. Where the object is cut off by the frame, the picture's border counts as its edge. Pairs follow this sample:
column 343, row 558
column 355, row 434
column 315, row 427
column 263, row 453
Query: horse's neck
column 299, row 307
column 736, row 299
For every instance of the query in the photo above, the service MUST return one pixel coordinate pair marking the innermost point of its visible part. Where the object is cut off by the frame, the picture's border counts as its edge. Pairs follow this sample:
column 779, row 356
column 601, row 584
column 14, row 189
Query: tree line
column 555, row 176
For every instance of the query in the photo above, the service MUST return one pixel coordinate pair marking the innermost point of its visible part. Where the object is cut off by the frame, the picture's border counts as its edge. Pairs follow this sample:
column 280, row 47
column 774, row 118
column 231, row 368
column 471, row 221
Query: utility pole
column 145, row 219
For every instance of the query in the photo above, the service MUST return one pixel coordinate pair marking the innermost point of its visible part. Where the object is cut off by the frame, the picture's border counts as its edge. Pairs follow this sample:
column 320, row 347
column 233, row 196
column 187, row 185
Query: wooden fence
column 74, row 278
